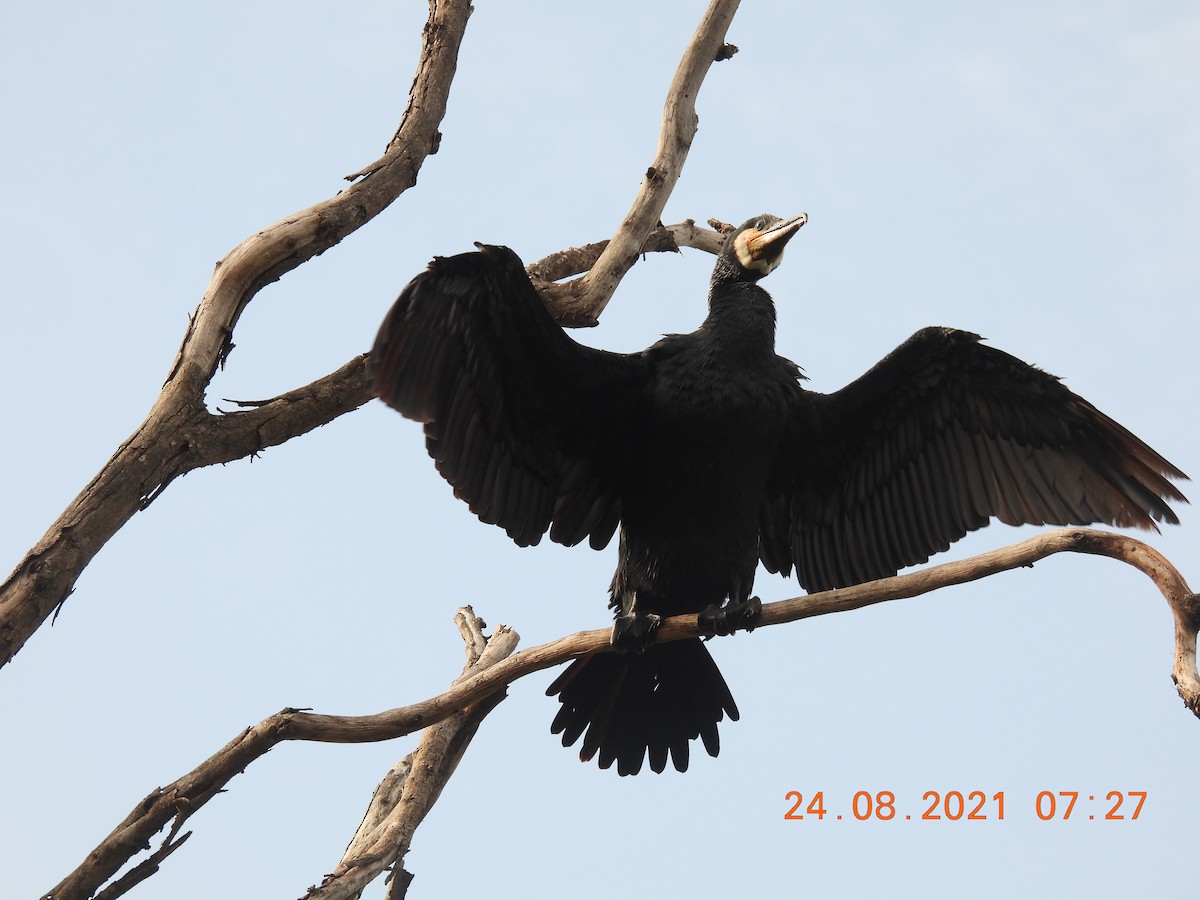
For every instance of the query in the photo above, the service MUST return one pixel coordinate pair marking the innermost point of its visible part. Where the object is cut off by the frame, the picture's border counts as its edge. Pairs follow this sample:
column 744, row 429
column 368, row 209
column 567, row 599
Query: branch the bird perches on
column 473, row 695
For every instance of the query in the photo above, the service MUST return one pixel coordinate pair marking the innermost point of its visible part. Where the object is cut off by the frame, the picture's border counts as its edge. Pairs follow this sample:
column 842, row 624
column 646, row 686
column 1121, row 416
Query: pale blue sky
column 1028, row 171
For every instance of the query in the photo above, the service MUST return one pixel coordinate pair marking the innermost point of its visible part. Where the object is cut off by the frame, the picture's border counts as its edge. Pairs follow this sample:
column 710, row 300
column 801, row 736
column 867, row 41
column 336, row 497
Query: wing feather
column 530, row 428
column 942, row 435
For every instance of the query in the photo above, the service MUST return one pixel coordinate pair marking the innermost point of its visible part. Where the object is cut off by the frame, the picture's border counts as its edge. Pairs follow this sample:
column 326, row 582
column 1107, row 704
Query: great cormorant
column 710, row 456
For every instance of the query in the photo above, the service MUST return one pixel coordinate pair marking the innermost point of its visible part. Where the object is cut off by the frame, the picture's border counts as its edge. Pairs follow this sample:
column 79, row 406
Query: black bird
column 710, row 456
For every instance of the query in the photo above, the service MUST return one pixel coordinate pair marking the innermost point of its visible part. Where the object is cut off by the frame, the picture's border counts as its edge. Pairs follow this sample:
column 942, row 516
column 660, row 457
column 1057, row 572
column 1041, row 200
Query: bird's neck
column 742, row 315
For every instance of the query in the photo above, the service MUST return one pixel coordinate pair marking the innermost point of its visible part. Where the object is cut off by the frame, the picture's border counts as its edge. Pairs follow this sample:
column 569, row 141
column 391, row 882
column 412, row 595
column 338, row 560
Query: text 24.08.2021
column 967, row 806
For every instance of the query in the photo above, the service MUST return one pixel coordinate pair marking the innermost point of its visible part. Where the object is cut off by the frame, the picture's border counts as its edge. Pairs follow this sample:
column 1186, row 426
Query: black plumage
column 709, row 455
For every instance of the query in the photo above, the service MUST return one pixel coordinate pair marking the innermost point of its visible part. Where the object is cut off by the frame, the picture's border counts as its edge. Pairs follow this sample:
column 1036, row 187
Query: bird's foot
column 634, row 632
column 732, row 616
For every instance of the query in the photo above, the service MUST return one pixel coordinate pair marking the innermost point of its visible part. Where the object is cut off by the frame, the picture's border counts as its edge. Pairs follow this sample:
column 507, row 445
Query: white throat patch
column 747, row 249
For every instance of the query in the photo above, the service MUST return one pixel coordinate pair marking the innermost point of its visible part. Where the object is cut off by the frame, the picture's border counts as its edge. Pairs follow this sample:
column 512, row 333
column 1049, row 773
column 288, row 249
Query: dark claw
column 634, row 632
column 751, row 612
column 731, row 617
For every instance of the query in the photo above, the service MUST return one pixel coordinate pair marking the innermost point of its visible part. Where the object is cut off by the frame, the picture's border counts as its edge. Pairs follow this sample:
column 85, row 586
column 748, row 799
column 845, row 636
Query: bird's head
column 756, row 248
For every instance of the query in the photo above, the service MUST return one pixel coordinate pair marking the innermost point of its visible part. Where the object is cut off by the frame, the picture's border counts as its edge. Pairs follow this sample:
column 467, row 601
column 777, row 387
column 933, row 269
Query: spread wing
column 943, row 434
column 530, row 427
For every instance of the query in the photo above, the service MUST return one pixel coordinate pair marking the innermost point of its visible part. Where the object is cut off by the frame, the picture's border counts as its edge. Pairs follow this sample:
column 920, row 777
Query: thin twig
column 144, row 869
column 574, row 260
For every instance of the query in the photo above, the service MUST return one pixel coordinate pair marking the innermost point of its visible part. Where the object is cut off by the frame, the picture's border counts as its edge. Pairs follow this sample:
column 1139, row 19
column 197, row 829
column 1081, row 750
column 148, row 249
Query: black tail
column 658, row 700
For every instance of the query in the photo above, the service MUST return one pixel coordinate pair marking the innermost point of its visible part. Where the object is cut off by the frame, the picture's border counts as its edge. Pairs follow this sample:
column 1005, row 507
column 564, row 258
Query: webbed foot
column 731, row 617
column 634, row 632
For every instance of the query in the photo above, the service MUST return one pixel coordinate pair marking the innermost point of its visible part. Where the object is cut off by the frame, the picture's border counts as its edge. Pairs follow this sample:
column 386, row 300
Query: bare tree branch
column 410, row 788
column 574, row 260
column 173, row 439
column 268, row 255
column 403, row 800
column 180, row 434
column 144, row 869
column 580, row 302
column 179, row 800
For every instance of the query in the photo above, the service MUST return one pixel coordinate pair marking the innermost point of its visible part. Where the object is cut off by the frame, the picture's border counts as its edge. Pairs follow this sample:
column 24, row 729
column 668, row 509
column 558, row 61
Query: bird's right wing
column 531, row 428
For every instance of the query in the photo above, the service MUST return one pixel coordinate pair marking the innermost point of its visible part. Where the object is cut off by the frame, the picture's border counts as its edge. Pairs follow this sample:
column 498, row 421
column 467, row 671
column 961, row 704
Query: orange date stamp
column 966, row 806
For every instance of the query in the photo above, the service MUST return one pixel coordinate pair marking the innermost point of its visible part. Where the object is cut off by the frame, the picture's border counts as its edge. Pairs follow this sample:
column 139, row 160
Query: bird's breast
column 701, row 463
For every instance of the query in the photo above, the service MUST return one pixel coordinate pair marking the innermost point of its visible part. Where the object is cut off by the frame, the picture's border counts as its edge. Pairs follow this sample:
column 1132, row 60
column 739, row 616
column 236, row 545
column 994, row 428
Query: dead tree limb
column 178, row 426
column 180, row 434
column 172, row 804
column 580, row 302
column 412, row 786
column 383, row 837
column 576, row 260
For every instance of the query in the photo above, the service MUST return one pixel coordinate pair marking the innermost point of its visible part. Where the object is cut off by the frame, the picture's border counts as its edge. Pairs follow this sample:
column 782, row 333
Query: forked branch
column 580, row 302
column 176, row 429
column 175, row 803
column 180, row 434
column 411, row 788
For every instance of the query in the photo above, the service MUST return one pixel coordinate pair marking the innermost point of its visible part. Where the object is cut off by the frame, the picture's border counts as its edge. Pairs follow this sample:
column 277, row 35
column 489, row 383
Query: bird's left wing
column 530, row 427
column 939, row 437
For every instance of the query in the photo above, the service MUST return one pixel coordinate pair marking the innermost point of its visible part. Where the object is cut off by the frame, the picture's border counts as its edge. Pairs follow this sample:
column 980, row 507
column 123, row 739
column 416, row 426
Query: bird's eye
column 760, row 225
